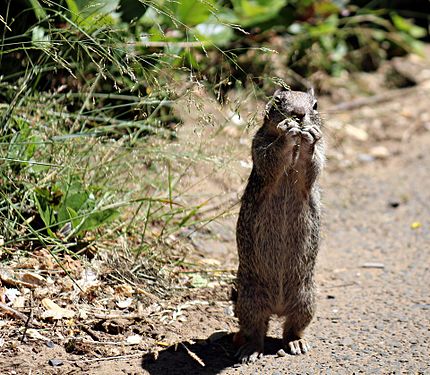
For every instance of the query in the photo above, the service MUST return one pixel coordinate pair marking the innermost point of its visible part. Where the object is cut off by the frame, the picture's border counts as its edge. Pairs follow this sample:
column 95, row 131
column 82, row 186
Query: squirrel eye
column 315, row 107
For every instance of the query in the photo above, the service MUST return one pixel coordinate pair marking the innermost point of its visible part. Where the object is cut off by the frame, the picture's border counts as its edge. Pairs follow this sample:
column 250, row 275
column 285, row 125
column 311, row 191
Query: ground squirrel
column 278, row 226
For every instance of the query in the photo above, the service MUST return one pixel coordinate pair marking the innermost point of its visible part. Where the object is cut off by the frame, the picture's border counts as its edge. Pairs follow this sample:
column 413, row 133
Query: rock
column 50, row 344
column 232, row 131
column 229, row 311
column 380, row 152
column 365, row 158
column 55, row 362
column 394, row 204
column 281, row 353
column 373, row 265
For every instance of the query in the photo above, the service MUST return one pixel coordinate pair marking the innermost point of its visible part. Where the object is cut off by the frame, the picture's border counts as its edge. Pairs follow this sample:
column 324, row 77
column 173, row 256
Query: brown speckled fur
column 278, row 225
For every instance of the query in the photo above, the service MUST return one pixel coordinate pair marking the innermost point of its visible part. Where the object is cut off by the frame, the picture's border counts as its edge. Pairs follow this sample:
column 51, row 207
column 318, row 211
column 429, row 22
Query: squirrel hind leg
column 250, row 352
column 293, row 333
column 250, row 344
column 253, row 327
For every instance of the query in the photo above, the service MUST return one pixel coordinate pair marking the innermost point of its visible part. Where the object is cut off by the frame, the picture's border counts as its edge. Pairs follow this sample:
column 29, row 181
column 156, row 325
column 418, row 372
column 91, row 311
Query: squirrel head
column 295, row 105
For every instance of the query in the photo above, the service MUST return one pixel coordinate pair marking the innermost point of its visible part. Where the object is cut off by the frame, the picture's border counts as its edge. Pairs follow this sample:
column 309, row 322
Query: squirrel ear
column 311, row 92
column 277, row 92
column 273, row 99
column 280, row 90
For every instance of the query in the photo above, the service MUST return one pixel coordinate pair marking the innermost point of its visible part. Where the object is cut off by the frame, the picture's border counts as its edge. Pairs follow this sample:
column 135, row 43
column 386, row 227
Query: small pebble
column 373, row 265
column 55, row 362
column 50, row 344
column 229, row 311
column 281, row 353
column 365, row 158
column 394, row 204
column 380, row 152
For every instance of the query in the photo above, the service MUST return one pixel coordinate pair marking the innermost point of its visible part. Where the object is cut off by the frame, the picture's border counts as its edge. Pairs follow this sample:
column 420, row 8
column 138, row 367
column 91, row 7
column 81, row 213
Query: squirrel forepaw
column 311, row 135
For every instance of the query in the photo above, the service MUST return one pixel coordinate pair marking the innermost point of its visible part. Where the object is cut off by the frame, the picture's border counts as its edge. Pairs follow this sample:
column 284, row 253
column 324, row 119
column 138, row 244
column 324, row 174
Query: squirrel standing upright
column 279, row 223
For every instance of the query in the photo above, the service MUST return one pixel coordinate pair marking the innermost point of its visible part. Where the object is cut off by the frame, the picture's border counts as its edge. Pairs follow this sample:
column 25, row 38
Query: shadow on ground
column 184, row 357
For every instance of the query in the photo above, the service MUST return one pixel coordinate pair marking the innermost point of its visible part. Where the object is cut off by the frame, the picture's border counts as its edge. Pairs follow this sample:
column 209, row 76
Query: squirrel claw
column 249, row 353
column 300, row 346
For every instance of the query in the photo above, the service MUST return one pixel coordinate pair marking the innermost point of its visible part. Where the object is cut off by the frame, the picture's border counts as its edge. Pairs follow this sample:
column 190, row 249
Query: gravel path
column 373, row 276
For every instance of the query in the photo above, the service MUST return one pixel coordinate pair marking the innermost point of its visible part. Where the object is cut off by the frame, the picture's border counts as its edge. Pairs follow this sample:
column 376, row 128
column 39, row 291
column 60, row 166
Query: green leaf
column 407, row 26
column 193, row 12
column 96, row 219
column 93, row 14
column 131, row 9
column 253, row 12
column 73, row 202
column 73, row 217
column 328, row 27
column 37, row 9
column 45, row 212
column 214, row 32
column 22, row 146
column 39, row 38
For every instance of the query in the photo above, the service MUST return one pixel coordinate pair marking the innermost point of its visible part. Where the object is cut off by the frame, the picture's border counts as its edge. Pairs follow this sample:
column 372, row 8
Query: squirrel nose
column 299, row 113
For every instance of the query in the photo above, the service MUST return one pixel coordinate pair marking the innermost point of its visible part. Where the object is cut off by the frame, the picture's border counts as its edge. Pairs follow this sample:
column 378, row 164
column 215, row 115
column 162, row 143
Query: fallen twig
column 113, row 343
column 115, row 316
column 6, row 278
column 13, row 312
column 109, row 358
column 90, row 332
column 29, row 319
column 193, row 355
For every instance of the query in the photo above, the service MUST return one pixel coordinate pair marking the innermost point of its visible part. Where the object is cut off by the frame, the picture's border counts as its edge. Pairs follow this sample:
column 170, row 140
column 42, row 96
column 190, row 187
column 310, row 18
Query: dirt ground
column 373, row 272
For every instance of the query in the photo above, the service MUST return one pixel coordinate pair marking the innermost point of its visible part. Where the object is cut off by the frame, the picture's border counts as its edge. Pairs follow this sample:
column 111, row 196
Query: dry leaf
column 124, row 290
column 34, row 334
column 123, row 304
column 82, row 314
column 54, row 311
column 19, row 302
column 33, row 279
column 11, row 294
column 88, row 279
